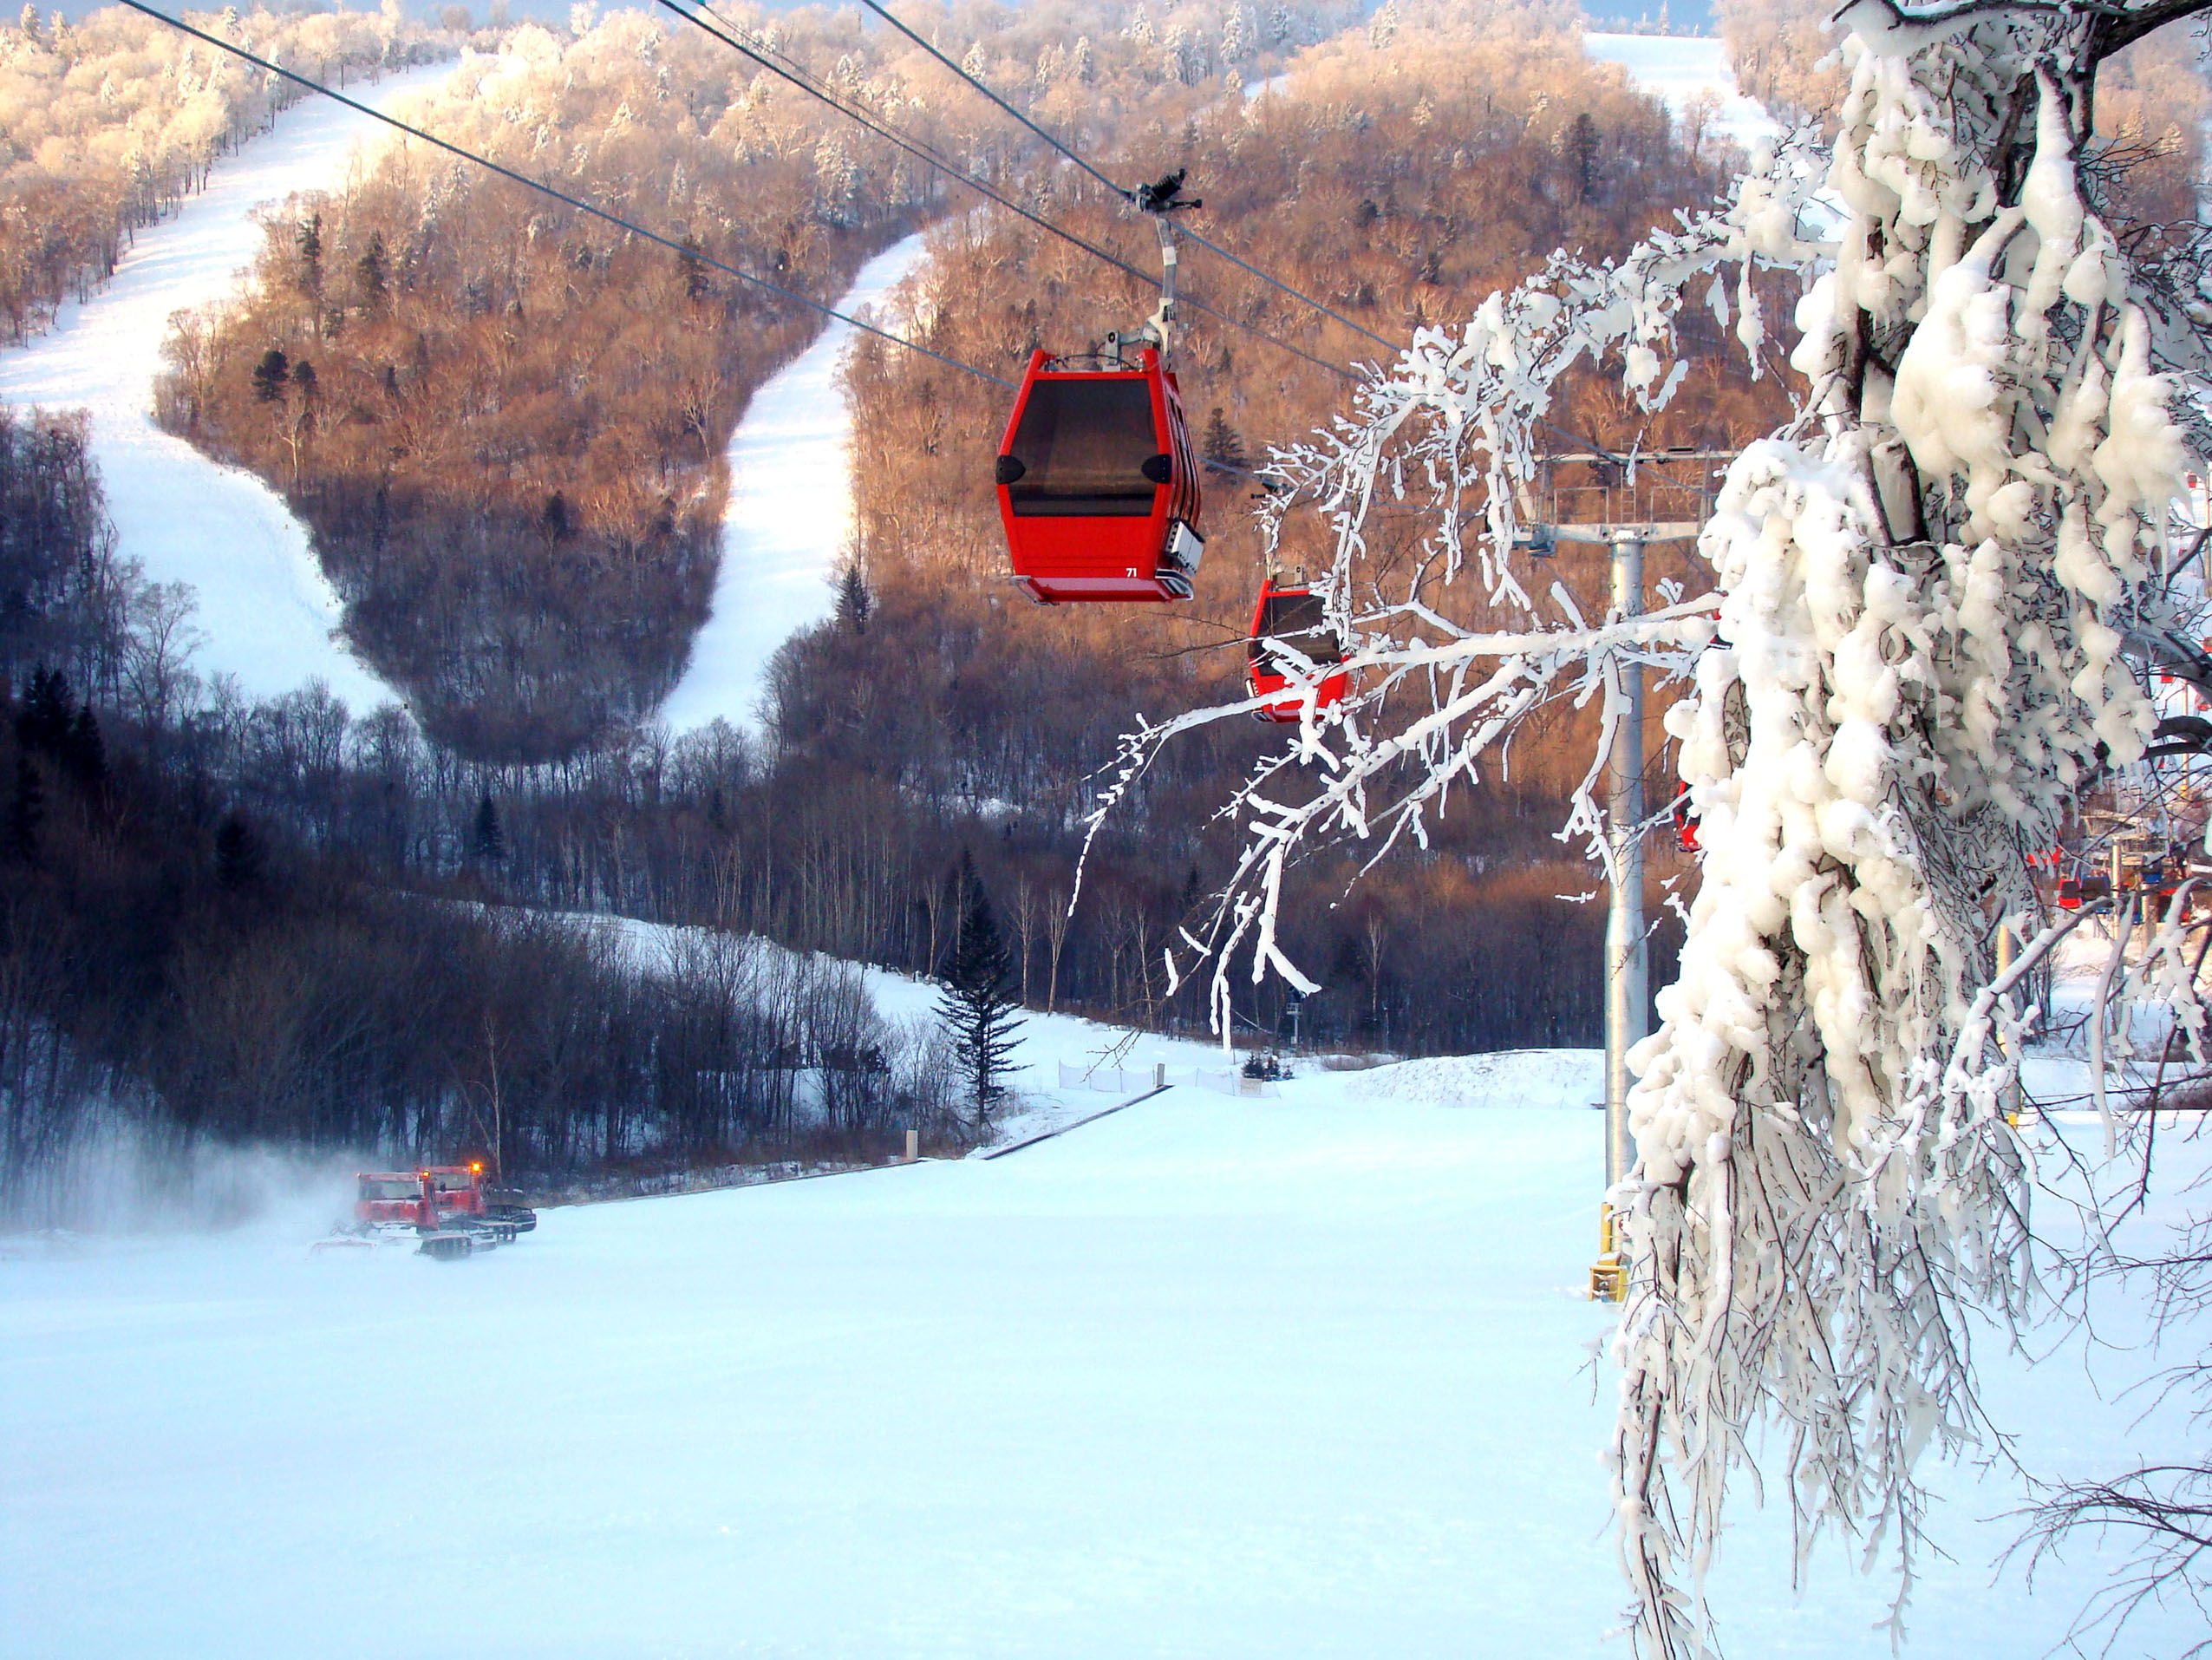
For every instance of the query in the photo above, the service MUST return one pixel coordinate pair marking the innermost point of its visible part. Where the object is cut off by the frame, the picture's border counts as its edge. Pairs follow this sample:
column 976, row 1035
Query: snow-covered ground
column 1208, row 1377
column 266, row 614
column 1043, row 1044
column 1678, row 68
column 789, row 519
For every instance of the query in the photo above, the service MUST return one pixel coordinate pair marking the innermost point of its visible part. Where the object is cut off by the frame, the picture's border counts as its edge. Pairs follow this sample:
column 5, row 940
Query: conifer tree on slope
column 487, row 842
column 976, row 1004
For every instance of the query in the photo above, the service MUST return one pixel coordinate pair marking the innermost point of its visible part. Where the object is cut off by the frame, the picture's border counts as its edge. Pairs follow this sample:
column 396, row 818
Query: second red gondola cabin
column 1096, row 484
column 1297, row 617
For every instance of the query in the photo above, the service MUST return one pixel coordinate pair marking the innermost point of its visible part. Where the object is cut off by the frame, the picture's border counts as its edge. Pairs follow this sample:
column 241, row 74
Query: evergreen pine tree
column 43, row 724
column 696, row 285
column 26, row 807
column 974, row 1004
column 84, row 753
column 1222, row 443
column 370, row 277
column 1581, row 148
column 308, row 240
column 270, row 376
column 489, row 842
column 854, row 601
column 238, row 853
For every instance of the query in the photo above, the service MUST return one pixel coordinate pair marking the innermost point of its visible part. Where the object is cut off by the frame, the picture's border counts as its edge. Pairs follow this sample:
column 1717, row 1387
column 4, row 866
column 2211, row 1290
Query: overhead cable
column 753, row 50
column 1126, row 195
column 680, row 249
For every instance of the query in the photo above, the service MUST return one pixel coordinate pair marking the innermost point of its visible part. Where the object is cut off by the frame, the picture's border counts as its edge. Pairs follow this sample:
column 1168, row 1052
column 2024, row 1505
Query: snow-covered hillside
column 790, row 516
column 266, row 611
column 1209, row 1377
column 1678, row 68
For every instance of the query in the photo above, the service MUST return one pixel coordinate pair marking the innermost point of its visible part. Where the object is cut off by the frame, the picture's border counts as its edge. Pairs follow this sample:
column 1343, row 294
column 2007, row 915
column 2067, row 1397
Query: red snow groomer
column 444, row 1208
column 393, row 1199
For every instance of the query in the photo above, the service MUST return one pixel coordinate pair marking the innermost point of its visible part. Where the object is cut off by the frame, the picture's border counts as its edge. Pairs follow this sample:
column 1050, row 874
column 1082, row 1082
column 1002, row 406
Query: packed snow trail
column 789, row 518
column 1279, row 1379
column 266, row 612
column 1679, row 68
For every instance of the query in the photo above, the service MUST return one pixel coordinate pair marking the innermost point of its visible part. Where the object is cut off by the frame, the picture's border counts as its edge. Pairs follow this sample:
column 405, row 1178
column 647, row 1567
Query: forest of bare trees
column 105, row 123
column 233, row 922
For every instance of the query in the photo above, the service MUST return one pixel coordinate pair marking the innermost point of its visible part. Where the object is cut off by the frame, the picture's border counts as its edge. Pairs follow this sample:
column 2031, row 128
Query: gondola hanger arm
column 1157, row 201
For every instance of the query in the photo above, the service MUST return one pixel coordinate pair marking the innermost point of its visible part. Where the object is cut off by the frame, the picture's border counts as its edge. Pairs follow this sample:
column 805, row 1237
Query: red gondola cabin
column 1096, row 485
column 1298, row 617
column 1685, row 821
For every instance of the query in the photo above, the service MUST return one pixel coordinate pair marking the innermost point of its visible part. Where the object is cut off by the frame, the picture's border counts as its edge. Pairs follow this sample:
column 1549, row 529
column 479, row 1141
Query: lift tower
column 1628, row 948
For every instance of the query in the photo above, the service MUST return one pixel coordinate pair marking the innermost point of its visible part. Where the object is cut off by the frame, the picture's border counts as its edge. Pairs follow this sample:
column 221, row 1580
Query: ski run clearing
column 789, row 523
column 266, row 614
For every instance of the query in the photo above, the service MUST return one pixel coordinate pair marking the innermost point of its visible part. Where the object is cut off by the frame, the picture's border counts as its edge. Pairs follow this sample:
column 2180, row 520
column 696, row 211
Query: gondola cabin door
column 1295, row 618
column 1096, row 484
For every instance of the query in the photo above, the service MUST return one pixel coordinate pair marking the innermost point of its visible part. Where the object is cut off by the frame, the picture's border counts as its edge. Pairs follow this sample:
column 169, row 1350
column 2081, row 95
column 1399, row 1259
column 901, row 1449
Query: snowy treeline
column 104, row 123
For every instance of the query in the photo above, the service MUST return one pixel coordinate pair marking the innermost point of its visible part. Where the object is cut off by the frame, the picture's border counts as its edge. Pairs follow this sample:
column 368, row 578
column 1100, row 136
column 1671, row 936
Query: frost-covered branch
column 1925, row 589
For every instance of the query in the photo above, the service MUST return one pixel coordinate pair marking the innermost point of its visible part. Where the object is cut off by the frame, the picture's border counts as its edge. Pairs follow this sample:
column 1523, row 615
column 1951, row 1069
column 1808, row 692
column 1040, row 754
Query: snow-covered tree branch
column 1914, row 652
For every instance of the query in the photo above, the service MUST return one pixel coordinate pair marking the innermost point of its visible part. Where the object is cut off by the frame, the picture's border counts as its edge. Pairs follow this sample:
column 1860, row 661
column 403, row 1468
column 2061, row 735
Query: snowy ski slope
column 790, row 515
column 266, row 614
column 1208, row 1377
column 1678, row 68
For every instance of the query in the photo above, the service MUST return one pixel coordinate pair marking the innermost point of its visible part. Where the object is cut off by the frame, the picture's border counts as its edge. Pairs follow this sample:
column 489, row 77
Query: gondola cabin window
column 1301, row 622
column 1083, row 446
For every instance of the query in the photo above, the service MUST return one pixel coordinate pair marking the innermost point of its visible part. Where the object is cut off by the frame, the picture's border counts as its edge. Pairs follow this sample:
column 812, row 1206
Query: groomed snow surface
column 266, row 614
column 1208, row 1377
column 790, row 515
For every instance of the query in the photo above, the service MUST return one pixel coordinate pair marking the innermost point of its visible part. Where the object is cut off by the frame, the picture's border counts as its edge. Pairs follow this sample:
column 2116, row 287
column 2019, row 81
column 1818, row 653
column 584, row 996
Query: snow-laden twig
column 1923, row 589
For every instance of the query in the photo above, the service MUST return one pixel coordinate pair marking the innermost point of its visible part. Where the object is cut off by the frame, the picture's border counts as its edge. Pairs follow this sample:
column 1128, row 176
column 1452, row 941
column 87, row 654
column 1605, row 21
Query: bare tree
column 157, row 672
column 1025, row 924
column 1060, row 910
